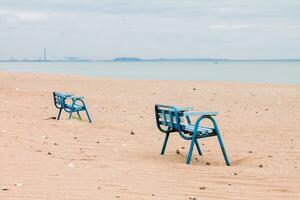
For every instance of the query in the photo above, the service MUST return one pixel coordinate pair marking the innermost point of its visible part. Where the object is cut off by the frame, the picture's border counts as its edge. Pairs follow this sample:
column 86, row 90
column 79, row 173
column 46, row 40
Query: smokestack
column 45, row 54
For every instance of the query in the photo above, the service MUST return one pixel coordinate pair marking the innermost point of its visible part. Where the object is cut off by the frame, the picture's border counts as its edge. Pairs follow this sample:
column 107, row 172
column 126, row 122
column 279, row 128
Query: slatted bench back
column 59, row 100
column 166, row 118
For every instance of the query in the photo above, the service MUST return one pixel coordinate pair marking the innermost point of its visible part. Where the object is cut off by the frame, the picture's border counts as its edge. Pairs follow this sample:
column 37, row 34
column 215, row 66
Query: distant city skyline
column 92, row 29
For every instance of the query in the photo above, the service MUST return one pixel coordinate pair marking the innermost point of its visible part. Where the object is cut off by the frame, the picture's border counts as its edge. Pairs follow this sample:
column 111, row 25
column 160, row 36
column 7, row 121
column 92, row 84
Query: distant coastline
column 134, row 59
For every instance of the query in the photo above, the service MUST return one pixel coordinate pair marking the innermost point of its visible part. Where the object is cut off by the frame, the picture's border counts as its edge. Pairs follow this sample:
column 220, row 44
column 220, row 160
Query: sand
column 42, row 158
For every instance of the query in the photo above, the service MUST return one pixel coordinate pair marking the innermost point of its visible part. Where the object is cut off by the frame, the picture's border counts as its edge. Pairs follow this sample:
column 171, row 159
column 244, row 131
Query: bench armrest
column 182, row 109
column 76, row 97
column 199, row 113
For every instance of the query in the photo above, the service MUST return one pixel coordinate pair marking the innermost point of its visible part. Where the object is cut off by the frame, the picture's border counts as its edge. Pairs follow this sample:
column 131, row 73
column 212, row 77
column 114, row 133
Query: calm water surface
column 267, row 72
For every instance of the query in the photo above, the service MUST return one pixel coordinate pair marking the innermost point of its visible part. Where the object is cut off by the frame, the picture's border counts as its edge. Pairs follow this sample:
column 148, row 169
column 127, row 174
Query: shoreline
column 130, row 79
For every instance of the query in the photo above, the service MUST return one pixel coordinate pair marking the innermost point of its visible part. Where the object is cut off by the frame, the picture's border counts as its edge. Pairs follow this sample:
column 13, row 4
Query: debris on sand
column 71, row 165
column 260, row 166
column 4, row 188
column 233, row 174
column 202, row 188
column 18, row 184
column 132, row 133
column 177, row 151
column 50, row 118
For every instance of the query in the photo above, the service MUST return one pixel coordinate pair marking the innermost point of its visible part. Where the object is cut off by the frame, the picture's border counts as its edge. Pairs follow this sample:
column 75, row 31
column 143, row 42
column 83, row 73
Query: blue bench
column 175, row 119
column 70, row 104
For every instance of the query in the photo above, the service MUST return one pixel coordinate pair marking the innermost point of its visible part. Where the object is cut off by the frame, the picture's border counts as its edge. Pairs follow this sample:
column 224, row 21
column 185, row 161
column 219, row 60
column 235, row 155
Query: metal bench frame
column 77, row 105
column 171, row 119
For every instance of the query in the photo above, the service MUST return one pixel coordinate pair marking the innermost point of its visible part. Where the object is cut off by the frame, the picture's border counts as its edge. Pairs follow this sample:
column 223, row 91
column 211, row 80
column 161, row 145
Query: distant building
column 45, row 54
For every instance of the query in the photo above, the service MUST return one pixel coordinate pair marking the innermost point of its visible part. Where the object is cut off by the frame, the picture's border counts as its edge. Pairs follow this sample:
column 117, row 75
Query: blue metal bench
column 70, row 104
column 175, row 119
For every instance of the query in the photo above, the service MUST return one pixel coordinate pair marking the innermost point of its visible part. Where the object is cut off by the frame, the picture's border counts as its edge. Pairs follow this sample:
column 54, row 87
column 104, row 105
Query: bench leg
column 88, row 116
column 58, row 116
column 198, row 147
column 79, row 115
column 223, row 148
column 70, row 115
column 188, row 160
column 165, row 144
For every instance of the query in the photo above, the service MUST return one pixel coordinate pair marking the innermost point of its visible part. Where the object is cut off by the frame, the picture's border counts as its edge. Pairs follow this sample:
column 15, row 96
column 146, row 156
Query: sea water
column 241, row 71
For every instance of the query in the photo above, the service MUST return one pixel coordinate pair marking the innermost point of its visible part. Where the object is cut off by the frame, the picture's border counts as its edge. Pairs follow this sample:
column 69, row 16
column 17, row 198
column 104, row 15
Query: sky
column 104, row 29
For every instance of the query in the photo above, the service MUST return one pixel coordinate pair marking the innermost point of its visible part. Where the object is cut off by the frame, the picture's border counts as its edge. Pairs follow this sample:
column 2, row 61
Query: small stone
column 4, row 188
column 194, row 89
column 55, row 143
column 233, row 174
column 132, row 133
column 98, row 142
column 18, row 184
column 229, row 184
column 177, row 151
column 152, row 195
column 49, row 118
column 49, row 153
column 270, row 156
column 250, row 151
column 71, row 165
column 193, row 198
column 75, row 138
column 182, row 147
column 260, row 166
column 202, row 188
column 207, row 163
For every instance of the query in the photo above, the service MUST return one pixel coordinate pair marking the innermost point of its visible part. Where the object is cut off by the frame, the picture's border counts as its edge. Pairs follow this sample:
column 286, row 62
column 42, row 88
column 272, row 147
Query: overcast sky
column 150, row 29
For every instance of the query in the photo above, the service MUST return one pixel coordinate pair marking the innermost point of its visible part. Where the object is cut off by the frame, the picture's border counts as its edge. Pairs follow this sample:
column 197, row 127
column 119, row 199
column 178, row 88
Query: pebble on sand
column 4, row 188
column 71, row 165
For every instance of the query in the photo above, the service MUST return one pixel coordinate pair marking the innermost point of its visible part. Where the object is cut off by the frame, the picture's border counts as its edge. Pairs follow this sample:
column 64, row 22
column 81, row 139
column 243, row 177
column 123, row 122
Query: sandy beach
column 118, row 155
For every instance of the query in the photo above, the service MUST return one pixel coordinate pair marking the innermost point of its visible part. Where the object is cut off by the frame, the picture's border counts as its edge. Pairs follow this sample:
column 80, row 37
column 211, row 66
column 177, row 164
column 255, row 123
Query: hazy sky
column 150, row 29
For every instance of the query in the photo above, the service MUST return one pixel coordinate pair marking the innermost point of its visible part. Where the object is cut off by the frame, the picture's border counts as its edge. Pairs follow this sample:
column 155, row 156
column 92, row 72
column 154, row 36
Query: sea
column 231, row 71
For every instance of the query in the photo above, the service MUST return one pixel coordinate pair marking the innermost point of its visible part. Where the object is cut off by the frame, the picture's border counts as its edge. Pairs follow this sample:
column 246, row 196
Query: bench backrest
column 59, row 99
column 169, row 118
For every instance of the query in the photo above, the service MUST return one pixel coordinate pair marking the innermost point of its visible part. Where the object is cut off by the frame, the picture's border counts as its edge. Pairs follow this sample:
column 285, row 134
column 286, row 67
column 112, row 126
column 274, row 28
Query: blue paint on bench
column 77, row 104
column 175, row 119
